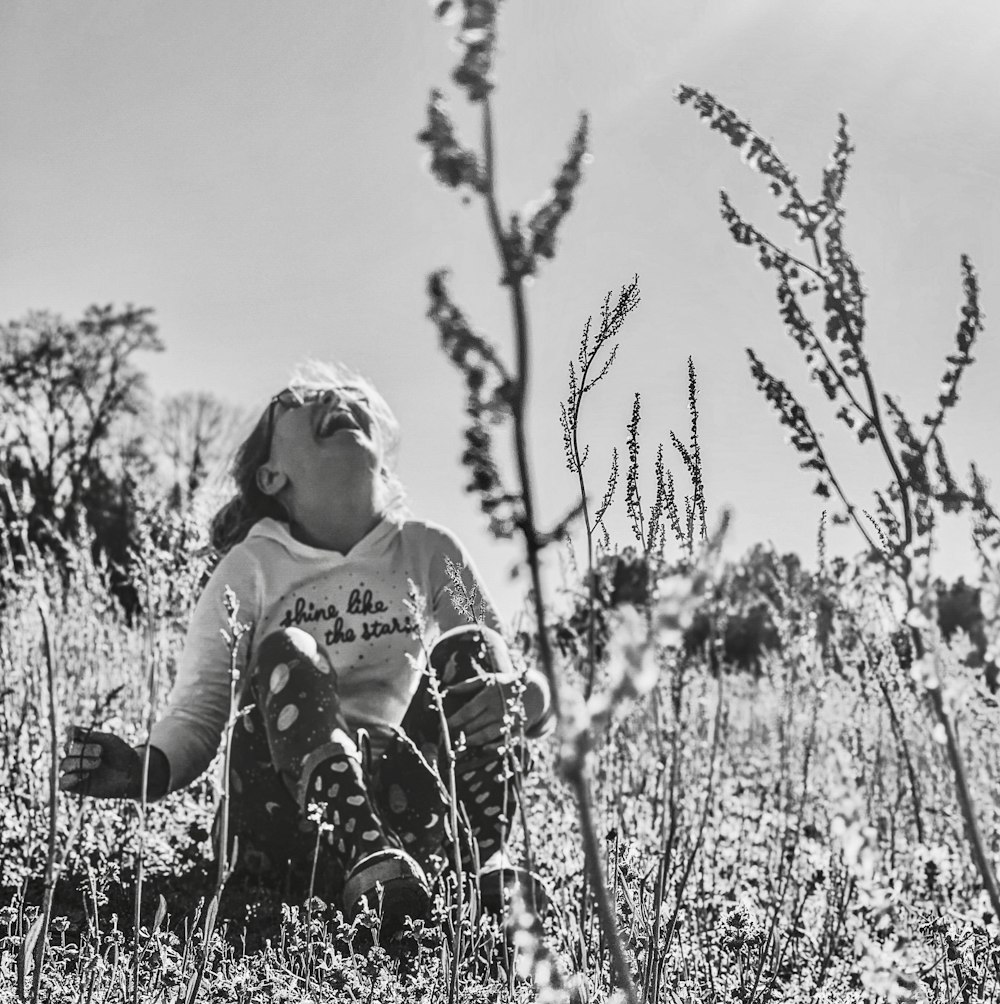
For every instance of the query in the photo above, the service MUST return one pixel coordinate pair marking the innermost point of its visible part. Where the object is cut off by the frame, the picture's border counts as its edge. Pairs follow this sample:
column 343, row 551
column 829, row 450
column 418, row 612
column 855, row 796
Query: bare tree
column 64, row 385
column 197, row 432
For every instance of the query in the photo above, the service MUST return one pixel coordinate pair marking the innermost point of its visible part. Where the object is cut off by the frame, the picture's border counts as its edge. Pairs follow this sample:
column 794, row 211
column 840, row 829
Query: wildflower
column 367, row 917
column 924, row 673
column 756, row 151
column 741, row 929
column 517, row 255
column 478, row 37
column 451, row 163
column 315, row 905
column 424, row 934
column 544, row 222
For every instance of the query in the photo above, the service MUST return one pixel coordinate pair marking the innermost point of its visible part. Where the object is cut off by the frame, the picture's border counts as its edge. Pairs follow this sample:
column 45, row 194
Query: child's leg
column 309, row 745
column 486, row 788
column 487, row 795
column 265, row 829
column 412, row 800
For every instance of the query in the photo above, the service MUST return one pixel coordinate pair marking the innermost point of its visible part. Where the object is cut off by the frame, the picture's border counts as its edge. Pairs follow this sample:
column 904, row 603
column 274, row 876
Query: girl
column 336, row 726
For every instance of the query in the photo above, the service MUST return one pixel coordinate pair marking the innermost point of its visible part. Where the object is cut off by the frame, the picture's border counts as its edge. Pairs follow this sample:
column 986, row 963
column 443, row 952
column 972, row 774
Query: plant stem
column 574, row 769
column 975, row 838
column 877, row 424
column 51, row 866
column 225, row 868
column 591, row 583
column 456, row 956
column 904, row 749
column 696, row 845
column 144, row 784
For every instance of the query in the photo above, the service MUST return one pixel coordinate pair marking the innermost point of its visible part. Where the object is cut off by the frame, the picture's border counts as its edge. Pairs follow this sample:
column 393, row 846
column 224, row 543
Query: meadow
column 767, row 784
column 786, row 834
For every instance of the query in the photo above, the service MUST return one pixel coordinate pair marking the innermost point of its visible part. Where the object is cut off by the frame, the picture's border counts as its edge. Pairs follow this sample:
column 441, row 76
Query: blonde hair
column 233, row 521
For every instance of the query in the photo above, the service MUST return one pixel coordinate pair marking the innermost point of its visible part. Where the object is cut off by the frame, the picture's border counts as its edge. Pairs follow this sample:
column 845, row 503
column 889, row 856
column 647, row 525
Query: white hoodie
column 353, row 605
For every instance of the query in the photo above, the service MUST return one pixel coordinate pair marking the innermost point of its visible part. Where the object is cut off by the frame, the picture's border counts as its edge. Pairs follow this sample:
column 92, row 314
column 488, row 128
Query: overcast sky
column 250, row 170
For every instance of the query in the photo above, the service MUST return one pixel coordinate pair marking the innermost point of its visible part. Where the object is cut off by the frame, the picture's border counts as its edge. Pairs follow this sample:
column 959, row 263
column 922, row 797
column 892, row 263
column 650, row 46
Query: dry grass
column 759, row 835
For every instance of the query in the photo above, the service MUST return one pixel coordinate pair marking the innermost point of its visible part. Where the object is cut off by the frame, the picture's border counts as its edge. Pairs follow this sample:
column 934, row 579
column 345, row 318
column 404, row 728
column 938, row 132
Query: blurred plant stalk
column 494, row 394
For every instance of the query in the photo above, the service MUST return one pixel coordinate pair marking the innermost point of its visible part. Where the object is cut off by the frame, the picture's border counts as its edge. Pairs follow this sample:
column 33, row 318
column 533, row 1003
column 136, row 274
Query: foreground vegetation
column 792, row 835
column 767, row 784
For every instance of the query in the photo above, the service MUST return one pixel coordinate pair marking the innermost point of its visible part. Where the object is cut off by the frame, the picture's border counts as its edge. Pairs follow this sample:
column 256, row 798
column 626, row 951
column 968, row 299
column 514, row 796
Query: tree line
column 85, row 448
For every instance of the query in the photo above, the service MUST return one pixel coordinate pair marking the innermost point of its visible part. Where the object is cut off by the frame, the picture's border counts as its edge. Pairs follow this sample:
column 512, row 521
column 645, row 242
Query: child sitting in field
column 335, row 702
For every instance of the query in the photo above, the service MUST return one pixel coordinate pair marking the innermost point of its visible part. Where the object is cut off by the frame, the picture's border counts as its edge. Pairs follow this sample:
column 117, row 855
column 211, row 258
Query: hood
column 277, row 531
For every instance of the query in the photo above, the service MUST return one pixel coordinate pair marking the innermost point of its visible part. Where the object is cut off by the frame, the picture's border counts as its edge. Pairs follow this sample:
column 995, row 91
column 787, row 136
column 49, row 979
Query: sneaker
column 499, row 877
column 405, row 891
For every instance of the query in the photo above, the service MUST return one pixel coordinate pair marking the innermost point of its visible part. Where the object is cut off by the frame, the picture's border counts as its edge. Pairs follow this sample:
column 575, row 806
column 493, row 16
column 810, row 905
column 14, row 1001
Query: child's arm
column 190, row 728
column 184, row 740
column 481, row 716
column 102, row 765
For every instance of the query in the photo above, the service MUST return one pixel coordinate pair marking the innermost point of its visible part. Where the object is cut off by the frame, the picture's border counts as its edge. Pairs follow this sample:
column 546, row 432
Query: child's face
column 324, row 443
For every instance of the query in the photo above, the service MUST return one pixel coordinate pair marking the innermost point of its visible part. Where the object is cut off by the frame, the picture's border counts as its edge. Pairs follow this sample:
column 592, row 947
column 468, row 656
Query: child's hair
column 233, row 521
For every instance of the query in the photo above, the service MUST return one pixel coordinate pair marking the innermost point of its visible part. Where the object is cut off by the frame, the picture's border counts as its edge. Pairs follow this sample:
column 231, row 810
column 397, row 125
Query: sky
column 250, row 170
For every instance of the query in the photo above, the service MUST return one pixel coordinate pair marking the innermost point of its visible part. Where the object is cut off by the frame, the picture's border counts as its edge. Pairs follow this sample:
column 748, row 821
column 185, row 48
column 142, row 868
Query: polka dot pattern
column 279, row 678
column 488, row 801
column 286, row 717
column 292, row 713
column 397, row 798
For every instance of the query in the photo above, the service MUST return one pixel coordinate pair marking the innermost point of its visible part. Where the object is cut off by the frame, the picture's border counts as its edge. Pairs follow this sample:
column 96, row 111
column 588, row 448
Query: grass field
column 815, row 823
column 788, row 836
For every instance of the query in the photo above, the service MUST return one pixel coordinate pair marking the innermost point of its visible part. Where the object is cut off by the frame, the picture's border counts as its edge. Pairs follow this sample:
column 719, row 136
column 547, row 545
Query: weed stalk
column 51, row 865
column 227, row 858
column 150, row 645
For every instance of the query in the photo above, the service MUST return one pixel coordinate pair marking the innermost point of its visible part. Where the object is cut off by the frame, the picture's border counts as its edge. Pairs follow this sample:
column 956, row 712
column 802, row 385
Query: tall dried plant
column 832, row 337
column 496, row 394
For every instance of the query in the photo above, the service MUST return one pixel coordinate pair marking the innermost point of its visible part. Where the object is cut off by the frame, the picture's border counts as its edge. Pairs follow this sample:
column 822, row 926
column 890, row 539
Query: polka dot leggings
column 483, row 783
column 295, row 764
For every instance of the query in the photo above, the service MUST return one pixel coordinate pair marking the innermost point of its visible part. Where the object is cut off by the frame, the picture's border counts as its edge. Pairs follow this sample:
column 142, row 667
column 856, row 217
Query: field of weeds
column 786, row 834
column 767, row 784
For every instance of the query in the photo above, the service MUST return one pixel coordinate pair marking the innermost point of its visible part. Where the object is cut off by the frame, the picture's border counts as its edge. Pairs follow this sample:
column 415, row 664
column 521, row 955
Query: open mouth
column 333, row 421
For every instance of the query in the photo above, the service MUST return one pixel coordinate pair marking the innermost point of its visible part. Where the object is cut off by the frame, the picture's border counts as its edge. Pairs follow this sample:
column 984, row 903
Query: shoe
column 405, row 890
column 500, row 877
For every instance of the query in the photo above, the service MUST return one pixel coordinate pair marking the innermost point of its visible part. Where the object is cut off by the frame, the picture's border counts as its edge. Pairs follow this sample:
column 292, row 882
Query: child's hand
column 100, row 764
column 484, row 704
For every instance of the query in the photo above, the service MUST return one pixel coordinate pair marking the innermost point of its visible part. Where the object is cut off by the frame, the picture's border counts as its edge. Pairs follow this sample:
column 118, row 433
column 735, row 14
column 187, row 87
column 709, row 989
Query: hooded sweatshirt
column 353, row 604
